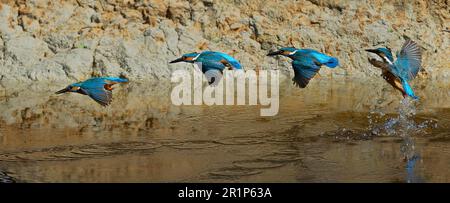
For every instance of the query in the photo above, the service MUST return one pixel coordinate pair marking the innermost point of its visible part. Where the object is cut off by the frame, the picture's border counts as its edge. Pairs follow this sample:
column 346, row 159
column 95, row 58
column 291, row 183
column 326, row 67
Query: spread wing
column 408, row 60
column 212, row 69
column 99, row 89
column 100, row 95
column 304, row 70
column 207, row 64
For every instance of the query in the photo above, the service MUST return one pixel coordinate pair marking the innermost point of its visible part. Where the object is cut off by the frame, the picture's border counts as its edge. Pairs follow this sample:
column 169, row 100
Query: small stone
column 235, row 26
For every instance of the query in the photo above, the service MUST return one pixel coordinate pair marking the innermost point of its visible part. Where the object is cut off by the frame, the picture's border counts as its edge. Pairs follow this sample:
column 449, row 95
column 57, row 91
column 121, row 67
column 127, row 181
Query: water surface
column 332, row 131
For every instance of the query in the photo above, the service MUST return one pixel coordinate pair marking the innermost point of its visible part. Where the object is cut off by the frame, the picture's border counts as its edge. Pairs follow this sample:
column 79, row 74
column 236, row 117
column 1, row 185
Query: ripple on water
column 257, row 164
column 243, row 140
column 68, row 153
column 193, row 144
column 138, row 146
column 281, row 157
column 83, row 153
column 344, row 134
column 234, row 172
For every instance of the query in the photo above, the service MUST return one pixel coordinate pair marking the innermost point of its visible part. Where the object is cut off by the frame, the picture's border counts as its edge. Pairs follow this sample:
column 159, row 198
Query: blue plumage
column 328, row 61
column 210, row 60
column 98, row 88
column 306, row 63
column 234, row 63
column 408, row 89
column 404, row 69
column 386, row 52
column 408, row 61
column 116, row 79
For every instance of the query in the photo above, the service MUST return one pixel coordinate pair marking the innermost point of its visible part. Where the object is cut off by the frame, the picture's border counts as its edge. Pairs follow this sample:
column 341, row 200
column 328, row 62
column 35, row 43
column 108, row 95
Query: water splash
column 407, row 128
column 403, row 126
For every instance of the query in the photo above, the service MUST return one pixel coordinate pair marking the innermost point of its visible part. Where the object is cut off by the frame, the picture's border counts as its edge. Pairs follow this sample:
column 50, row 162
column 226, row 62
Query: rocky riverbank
column 47, row 44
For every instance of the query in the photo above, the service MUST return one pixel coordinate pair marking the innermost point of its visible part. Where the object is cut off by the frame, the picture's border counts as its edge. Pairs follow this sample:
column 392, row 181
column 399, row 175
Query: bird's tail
column 332, row 62
column 324, row 59
column 408, row 89
column 232, row 61
column 236, row 64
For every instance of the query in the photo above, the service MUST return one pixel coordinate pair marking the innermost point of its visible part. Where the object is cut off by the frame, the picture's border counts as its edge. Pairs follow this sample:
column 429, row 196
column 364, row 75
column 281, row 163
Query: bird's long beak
column 275, row 53
column 177, row 60
column 62, row 91
column 372, row 50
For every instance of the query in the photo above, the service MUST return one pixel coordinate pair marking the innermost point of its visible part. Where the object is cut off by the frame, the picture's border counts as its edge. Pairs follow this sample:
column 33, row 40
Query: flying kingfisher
column 306, row 63
column 211, row 61
column 403, row 70
column 98, row 88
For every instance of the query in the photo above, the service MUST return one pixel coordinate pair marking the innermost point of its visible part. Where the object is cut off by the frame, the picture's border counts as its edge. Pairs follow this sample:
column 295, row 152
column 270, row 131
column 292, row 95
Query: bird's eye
column 184, row 57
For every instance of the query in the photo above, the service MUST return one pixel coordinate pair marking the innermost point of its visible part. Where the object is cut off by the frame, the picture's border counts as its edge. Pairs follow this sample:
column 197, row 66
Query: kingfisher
column 98, row 88
column 211, row 61
column 398, row 73
column 306, row 63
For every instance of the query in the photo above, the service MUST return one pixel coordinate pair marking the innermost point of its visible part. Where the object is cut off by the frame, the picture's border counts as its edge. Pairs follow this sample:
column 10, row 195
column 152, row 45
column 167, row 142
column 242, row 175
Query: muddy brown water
column 327, row 133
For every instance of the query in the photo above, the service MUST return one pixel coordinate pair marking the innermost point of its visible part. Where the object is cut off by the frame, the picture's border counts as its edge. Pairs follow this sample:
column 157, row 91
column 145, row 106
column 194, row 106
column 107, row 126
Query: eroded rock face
column 60, row 42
